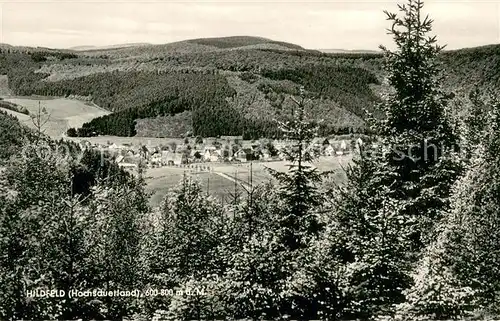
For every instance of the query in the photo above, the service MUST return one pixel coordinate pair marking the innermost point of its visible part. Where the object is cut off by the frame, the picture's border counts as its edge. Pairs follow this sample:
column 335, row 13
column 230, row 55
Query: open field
column 23, row 119
column 161, row 180
column 221, row 181
column 64, row 113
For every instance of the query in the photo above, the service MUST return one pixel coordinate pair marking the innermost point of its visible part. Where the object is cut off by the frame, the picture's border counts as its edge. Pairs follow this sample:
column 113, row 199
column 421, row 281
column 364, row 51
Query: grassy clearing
column 23, row 119
column 64, row 113
column 161, row 180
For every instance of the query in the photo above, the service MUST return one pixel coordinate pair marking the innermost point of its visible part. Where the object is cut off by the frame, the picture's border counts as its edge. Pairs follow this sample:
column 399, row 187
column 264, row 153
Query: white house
column 329, row 150
column 167, row 158
column 180, row 158
column 241, row 156
column 265, row 154
column 211, row 155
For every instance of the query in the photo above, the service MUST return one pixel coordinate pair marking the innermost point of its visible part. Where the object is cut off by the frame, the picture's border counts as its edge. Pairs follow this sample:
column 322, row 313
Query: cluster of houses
column 229, row 150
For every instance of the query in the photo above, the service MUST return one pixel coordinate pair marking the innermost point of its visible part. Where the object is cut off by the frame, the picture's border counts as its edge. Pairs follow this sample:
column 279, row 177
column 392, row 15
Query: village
column 226, row 149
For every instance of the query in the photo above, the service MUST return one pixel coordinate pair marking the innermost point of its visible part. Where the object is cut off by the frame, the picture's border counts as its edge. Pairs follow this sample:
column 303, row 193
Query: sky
column 327, row 24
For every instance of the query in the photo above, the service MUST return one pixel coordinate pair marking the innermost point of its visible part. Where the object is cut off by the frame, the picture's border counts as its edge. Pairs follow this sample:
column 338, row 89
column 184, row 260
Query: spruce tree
column 417, row 134
column 298, row 187
column 399, row 189
column 459, row 273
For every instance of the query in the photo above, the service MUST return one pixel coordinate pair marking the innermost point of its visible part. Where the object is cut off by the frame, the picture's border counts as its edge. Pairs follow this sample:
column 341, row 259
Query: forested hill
column 222, row 86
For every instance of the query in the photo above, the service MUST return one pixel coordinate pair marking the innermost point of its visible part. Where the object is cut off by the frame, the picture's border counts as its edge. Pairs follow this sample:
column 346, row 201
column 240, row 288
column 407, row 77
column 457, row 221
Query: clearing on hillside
column 64, row 113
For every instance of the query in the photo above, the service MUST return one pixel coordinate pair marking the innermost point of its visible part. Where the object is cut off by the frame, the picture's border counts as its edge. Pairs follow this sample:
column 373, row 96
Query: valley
column 247, row 178
column 157, row 94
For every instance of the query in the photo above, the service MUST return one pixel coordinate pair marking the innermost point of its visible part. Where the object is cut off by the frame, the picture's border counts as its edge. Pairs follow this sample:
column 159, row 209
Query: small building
column 212, row 156
column 329, row 150
column 265, row 154
column 167, row 158
column 240, row 155
column 156, row 158
column 181, row 147
column 179, row 158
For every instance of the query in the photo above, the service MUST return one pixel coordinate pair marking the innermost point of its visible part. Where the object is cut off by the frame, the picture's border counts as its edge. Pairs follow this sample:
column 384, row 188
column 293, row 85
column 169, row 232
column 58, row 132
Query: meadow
column 61, row 113
column 220, row 182
column 161, row 180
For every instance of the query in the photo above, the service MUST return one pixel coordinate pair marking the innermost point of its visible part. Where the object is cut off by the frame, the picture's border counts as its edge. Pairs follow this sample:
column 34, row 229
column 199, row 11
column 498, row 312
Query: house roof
column 239, row 152
column 245, row 151
column 194, row 151
column 213, row 153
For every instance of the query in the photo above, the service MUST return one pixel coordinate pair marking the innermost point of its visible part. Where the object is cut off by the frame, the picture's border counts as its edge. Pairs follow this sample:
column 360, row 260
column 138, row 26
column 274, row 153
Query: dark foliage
column 349, row 86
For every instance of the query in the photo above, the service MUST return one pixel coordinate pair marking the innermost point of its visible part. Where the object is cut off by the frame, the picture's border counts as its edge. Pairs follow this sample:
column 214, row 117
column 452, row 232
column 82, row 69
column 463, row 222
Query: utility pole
column 208, row 184
column 235, row 187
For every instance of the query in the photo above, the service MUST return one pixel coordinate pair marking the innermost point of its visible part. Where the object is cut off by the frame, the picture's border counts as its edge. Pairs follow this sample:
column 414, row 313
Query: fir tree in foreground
column 298, row 188
column 419, row 166
column 458, row 276
column 399, row 188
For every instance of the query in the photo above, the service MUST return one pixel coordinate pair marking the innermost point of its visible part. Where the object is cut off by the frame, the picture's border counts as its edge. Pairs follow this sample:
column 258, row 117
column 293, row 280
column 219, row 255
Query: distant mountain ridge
column 117, row 46
column 357, row 51
column 229, row 42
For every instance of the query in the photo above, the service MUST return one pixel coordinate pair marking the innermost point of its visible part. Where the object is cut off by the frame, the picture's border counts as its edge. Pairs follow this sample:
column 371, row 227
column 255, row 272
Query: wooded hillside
column 150, row 81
